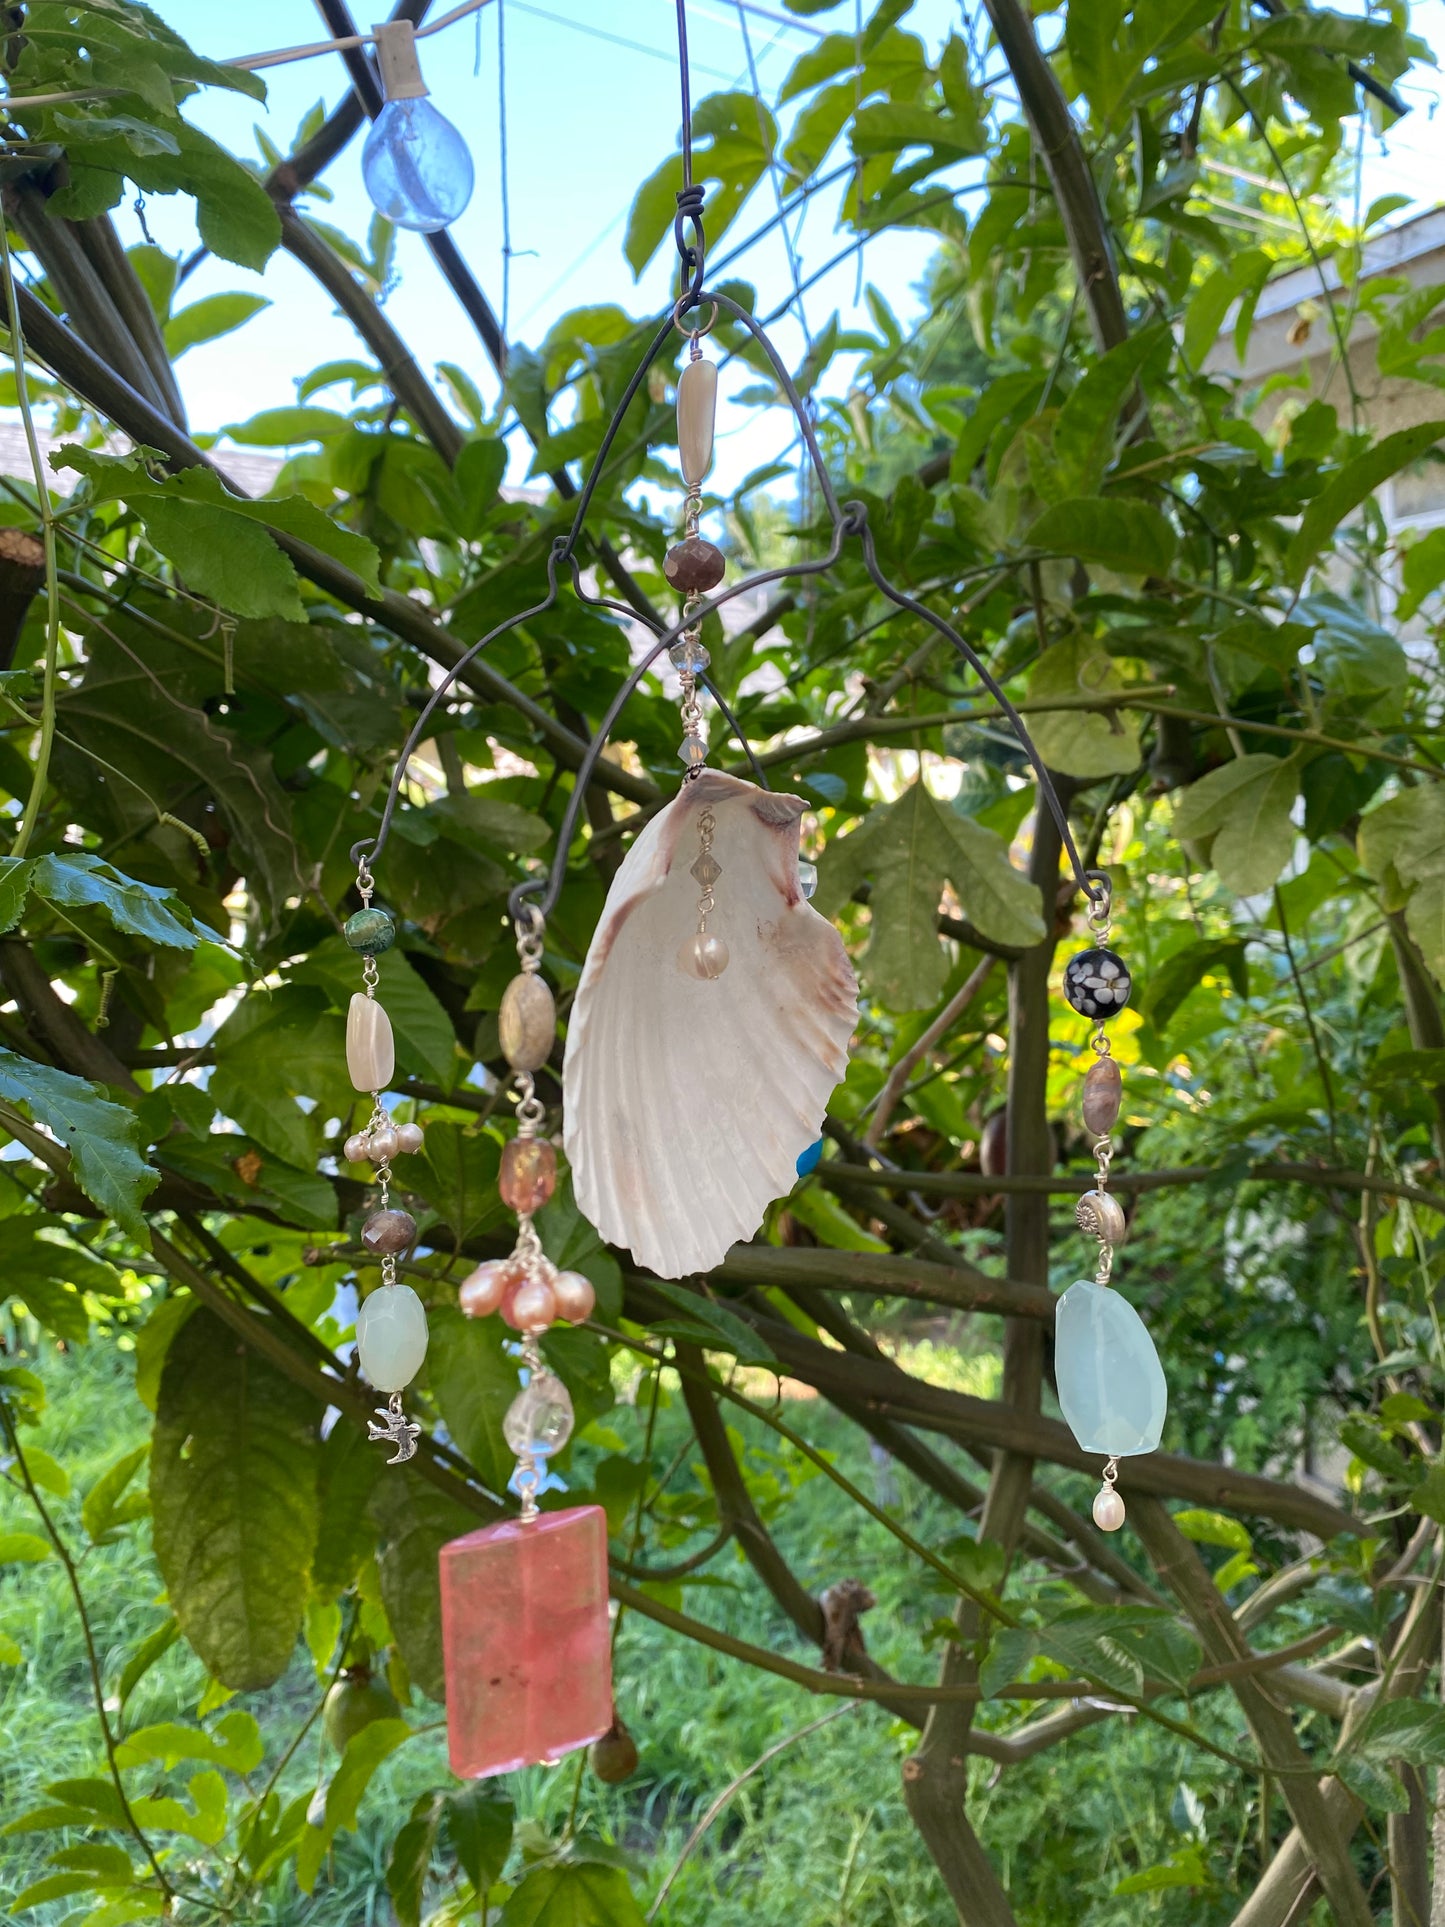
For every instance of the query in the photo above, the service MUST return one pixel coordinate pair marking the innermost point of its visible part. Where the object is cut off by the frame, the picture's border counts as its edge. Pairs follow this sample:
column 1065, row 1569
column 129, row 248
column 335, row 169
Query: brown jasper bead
column 389, row 1233
column 694, row 566
column 1103, row 1096
column 527, row 1022
column 529, row 1174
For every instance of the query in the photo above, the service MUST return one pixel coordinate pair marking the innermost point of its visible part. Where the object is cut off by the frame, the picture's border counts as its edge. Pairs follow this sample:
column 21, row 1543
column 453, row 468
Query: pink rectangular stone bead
column 527, row 1641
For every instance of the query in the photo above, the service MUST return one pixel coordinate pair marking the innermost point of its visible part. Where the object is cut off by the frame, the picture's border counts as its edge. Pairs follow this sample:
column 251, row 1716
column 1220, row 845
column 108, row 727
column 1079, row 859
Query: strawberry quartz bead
column 528, row 1176
column 526, row 1640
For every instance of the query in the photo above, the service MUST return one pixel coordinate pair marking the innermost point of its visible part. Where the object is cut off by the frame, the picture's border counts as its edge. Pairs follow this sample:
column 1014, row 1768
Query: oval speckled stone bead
column 370, row 931
column 696, row 410
column 370, row 1049
column 391, row 1337
column 1103, row 1096
column 694, row 566
column 527, row 1022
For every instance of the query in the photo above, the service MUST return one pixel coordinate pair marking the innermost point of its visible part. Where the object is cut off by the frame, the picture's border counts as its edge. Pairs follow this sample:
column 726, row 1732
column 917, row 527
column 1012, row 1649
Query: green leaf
column 909, row 849
column 1422, row 572
column 287, row 427
column 276, row 1046
column 1081, row 742
column 1428, row 1497
column 1083, row 439
column 1345, row 491
column 410, row 1860
column 830, row 1224
column 234, row 1743
column 1242, row 809
column 23, row 1548
column 1171, row 981
column 1372, row 1448
column 1403, row 1729
column 457, row 1175
column 106, row 1507
column 479, row 1823
column 1213, row 1529
column 1376, row 1785
column 46, row 1472
column 586, row 1895
column 233, row 1492
column 573, row 1245
column 102, row 1137
column 350, row 1468
column 474, row 1381
column 1131, row 538
column 14, row 888
column 204, row 1820
column 415, row 1521
column 153, row 1647
column 207, row 320
column 10, row 1653
column 706, row 1322
column 364, row 1753
column 1185, row 1867
column 78, row 879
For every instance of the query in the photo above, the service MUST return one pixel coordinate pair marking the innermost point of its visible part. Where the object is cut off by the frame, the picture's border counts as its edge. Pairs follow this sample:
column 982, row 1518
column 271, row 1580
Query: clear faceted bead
column 807, row 877
column 707, row 870
column 689, row 658
column 692, row 750
column 539, row 1419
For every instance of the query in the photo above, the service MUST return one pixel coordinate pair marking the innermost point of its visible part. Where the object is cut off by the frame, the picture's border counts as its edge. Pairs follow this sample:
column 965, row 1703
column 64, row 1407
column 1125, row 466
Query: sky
column 592, row 109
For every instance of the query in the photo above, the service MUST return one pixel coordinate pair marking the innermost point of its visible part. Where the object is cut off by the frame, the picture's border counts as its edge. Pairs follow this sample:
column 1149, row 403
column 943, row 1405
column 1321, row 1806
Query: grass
column 820, row 1838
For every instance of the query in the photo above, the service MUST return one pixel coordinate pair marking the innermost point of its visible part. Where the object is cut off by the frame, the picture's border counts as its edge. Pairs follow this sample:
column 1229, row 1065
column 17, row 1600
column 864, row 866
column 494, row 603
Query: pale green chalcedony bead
column 1111, row 1384
column 391, row 1337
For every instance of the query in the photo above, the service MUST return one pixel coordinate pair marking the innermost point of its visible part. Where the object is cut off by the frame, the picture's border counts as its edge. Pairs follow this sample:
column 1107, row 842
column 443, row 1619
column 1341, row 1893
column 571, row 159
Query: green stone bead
column 370, row 932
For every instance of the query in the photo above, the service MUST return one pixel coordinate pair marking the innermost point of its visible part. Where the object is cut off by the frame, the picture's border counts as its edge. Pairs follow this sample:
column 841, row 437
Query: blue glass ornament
column 416, row 166
column 810, row 1159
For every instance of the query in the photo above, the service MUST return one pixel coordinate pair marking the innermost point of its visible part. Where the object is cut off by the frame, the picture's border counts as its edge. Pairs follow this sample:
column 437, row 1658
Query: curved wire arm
column 850, row 520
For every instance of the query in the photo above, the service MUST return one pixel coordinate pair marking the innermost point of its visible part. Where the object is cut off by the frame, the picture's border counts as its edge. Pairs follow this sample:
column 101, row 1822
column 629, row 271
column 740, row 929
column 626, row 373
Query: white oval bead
column 696, row 408
column 1111, row 1384
column 391, row 1337
column 370, row 1052
column 1108, row 1509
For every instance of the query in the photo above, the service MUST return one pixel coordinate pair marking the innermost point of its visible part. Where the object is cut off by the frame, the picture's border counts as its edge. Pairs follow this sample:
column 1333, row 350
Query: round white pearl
column 408, row 1137
column 355, row 1149
column 703, row 955
column 383, row 1143
column 1108, row 1509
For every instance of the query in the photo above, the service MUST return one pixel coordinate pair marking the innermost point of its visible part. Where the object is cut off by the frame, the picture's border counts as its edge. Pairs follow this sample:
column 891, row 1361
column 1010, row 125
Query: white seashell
column 689, row 1100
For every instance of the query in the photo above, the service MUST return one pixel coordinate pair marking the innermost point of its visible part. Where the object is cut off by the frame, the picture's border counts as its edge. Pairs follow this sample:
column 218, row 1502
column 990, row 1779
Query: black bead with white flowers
column 1097, row 983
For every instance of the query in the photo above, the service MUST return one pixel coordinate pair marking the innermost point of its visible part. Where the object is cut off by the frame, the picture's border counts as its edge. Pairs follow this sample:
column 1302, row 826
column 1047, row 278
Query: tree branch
column 1178, row 1564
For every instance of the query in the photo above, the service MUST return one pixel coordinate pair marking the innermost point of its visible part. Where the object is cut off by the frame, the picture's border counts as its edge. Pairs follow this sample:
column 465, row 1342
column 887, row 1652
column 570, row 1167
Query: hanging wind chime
column 709, row 1029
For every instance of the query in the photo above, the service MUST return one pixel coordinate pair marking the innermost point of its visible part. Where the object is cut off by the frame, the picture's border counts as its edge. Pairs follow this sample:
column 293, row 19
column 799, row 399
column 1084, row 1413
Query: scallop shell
column 688, row 1100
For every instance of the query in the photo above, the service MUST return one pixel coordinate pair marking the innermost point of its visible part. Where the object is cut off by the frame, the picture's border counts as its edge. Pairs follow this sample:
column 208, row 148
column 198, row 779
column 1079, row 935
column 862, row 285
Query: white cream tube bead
column 370, row 1052
column 696, row 410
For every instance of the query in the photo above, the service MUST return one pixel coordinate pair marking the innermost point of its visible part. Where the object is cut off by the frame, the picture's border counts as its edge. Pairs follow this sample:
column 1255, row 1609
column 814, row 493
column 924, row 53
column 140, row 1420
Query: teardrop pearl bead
column 1108, row 1509
column 391, row 1337
column 370, row 1050
column 696, row 411
column 703, row 955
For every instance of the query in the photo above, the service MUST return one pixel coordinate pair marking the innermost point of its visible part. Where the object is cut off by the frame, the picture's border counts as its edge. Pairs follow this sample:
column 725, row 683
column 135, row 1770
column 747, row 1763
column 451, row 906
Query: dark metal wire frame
column 851, row 520
column 846, row 521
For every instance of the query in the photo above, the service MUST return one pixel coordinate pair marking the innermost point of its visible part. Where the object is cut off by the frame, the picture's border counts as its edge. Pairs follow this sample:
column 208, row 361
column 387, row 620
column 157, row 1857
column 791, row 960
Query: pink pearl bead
column 382, row 1143
column 1108, row 1509
column 483, row 1289
column 355, row 1149
column 408, row 1137
column 532, row 1307
column 575, row 1296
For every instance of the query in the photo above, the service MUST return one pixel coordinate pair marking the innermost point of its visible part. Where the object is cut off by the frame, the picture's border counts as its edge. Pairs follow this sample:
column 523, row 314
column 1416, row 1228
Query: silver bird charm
column 395, row 1429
